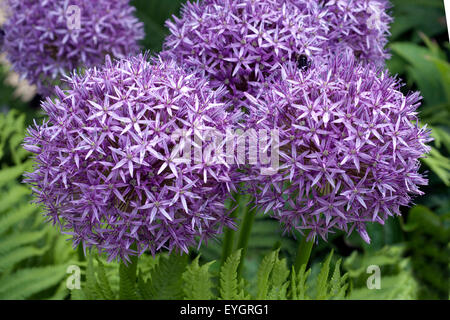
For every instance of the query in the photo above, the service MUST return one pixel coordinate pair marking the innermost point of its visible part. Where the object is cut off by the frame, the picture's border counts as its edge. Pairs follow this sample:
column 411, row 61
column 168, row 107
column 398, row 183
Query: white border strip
column 447, row 14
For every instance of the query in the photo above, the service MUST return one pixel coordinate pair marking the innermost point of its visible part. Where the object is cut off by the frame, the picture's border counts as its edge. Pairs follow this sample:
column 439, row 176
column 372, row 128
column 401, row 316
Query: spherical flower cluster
column 359, row 25
column 108, row 162
column 238, row 43
column 349, row 147
column 44, row 41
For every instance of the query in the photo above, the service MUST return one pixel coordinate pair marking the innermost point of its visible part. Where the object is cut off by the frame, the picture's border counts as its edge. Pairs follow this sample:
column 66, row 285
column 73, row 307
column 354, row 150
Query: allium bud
column 350, row 144
column 108, row 166
column 45, row 40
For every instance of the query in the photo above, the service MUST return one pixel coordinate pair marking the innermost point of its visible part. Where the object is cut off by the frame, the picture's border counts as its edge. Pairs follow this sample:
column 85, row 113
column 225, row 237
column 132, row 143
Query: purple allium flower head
column 44, row 42
column 239, row 43
column 359, row 25
column 107, row 166
column 349, row 146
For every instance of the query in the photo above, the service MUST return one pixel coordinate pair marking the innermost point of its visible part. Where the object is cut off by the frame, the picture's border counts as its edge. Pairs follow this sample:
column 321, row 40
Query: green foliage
column 12, row 128
column 26, row 240
column 154, row 14
column 428, row 238
column 9, row 101
column 197, row 283
column 231, row 287
column 318, row 283
column 127, row 275
column 439, row 164
column 397, row 280
column 412, row 16
column 26, row 283
column 265, row 235
column 166, row 278
column 426, row 69
column 173, row 277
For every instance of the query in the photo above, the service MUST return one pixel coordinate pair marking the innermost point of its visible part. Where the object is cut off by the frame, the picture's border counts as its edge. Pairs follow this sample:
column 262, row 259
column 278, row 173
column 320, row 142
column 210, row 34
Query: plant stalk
column 246, row 228
column 303, row 252
column 228, row 239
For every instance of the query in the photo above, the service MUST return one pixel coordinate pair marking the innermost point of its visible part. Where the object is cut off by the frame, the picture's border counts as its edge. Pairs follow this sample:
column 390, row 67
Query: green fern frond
column 13, row 257
column 16, row 240
column 12, row 218
column 127, row 274
column 264, row 272
column 299, row 286
column 338, row 283
column 103, row 282
column 91, row 287
column 322, row 279
column 143, row 288
column 197, row 282
column 27, row 282
column 11, row 174
column 13, row 196
column 166, row 281
column 279, row 281
column 231, row 288
column 396, row 277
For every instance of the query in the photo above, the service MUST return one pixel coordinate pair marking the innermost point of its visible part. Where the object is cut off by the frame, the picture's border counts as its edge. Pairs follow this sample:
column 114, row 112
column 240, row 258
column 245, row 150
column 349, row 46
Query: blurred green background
column 413, row 251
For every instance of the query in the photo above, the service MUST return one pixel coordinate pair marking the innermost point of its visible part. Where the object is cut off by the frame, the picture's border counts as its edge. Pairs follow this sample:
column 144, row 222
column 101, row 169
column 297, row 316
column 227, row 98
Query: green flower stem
column 246, row 228
column 303, row 252
column 80, row 252
column 228, row 239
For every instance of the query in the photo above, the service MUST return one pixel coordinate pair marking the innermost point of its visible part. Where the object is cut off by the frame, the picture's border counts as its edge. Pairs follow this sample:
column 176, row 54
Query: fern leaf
column 92, row 289
column 103, row 283
column 13, row 217
column 229, row 285
column 61, row 293
column 27, row 282
column 78, row 294
column 263, row 276
column 166, row 278
column 143, row 288
column 197, row 282
column 14, row 241
column 338, row 284
column 278, row 280
column 13, row 195
column 11, row 258
column 10, row 174
column 127, row 286
column 298, row 283
column 322, row 279
column 242, row 295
